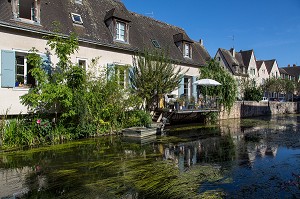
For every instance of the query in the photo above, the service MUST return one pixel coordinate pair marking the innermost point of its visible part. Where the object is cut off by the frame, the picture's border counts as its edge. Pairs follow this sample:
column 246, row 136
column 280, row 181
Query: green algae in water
column 106, row 168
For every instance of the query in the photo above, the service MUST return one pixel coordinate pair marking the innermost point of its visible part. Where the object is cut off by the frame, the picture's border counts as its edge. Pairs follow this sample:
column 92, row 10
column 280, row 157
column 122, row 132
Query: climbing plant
column 227, row 92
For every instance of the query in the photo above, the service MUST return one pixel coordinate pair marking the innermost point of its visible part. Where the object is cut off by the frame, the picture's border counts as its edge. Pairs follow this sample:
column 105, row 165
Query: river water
column 250, row 158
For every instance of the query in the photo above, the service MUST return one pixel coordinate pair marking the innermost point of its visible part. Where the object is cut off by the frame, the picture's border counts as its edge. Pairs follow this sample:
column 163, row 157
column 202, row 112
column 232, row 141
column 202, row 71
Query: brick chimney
column 289, row 65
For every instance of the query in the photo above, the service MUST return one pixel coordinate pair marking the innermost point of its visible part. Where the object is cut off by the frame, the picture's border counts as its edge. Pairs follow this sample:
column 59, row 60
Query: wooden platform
column 187, row 115
column 196, row 111
column 139, row 132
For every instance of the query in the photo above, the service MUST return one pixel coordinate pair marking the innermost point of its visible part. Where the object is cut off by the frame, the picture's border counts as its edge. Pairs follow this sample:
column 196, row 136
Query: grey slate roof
column 246, row 57
column 293, row 71
column 233, row 61
column 269, row 64
column 283, row 71
column 142, row 29
column 259, row 64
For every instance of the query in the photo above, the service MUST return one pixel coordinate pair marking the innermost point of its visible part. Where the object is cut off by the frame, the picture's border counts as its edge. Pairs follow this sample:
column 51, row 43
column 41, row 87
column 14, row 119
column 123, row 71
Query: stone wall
column 253, row 109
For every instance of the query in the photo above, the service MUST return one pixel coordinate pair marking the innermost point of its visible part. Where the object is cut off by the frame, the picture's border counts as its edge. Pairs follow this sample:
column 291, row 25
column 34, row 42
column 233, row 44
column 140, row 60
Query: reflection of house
column 13, row 182
column 105, row 28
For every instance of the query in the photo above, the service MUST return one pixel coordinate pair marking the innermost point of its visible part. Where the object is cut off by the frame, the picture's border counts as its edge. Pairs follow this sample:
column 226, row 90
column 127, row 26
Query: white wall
column 252, row 65
column 263, row 74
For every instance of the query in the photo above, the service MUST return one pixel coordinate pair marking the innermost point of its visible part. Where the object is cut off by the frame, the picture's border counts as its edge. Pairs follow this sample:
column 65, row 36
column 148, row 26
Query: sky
column 270, row 27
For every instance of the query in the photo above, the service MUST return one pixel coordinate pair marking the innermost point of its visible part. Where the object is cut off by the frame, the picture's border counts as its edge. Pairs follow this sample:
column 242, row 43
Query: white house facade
column 106, row 30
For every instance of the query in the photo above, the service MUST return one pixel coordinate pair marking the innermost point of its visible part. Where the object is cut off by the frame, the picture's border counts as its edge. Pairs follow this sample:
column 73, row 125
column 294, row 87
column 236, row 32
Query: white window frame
column 25, row 83
column 73, row 15
column 78, row 59
column 35, row 11
column 125, row 74
column 78, row 1
column 23, row 53
column 187, row 88
column 119, row 30
column 187, row 51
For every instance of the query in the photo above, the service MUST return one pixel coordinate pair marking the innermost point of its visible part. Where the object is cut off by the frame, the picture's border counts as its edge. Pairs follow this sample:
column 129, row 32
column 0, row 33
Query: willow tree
column 154, row 74
column 227, row 92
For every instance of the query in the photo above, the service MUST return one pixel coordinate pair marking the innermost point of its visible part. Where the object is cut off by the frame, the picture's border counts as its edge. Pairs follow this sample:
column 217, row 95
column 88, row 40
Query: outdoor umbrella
column 207, row 82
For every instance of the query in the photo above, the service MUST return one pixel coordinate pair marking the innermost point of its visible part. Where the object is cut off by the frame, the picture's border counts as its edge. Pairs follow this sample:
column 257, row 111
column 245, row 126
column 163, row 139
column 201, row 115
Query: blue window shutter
column 46, row 63
column 8, row 68
column 110, row 71
column 194, row 88
column 181, row 87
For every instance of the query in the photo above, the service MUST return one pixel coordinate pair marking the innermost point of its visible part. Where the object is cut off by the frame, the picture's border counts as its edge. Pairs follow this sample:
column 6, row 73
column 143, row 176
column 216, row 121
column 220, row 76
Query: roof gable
column 259, row 64
column 232, row 61
column 246, row 56
column 269, row 64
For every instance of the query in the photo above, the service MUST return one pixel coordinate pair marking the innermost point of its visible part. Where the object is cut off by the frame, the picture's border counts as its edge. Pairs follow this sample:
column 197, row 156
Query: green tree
column 289, row 87
column 55, row 90
column 227, row 92
column 154, row 75
column 268, row 86
column 251, row 91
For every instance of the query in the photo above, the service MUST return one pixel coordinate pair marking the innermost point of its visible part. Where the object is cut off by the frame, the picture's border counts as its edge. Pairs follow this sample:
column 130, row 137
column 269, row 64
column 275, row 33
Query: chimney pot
column 232, row 52
column 201, row 42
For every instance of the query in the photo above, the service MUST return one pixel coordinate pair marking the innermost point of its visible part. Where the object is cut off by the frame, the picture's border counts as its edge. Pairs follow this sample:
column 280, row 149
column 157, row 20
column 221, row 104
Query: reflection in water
column 241, row 159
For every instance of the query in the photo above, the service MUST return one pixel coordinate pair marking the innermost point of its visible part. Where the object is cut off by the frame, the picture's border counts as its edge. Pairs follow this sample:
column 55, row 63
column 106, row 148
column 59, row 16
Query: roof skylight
column 155, row 43
column 76, row 18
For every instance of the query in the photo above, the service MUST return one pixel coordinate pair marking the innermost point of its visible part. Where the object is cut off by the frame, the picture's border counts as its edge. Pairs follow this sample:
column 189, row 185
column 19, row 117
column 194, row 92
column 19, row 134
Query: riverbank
column 246, row 109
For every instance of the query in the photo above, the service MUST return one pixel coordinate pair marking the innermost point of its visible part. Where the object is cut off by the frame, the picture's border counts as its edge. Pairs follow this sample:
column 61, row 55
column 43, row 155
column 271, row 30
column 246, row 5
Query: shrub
column 137, row 118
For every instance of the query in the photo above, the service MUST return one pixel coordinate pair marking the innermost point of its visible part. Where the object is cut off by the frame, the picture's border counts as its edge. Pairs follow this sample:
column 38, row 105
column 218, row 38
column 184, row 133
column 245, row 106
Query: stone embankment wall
column 253, row 109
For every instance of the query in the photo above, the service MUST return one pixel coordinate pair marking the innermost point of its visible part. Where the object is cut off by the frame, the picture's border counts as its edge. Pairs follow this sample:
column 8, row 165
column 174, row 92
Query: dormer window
column 187, row 50
column 26, row 10
column 118, row 23
column 184, row 43
column 76, row 18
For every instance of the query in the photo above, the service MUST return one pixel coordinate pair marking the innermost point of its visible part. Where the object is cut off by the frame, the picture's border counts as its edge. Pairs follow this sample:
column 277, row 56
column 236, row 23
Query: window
column 155, row 43
column 27, row 10
column 76, row 18
column 187, row 86
column 82, row 63
column 252, row 71
column 122, row 76
column 187, row 50
column 15, row 71
column 120, row 31
column 78, row 1
column 23, row 75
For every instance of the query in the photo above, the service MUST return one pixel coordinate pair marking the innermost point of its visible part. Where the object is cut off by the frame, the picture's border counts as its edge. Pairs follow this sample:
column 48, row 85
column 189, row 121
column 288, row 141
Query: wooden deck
column 196, row 111
column 171, row 116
